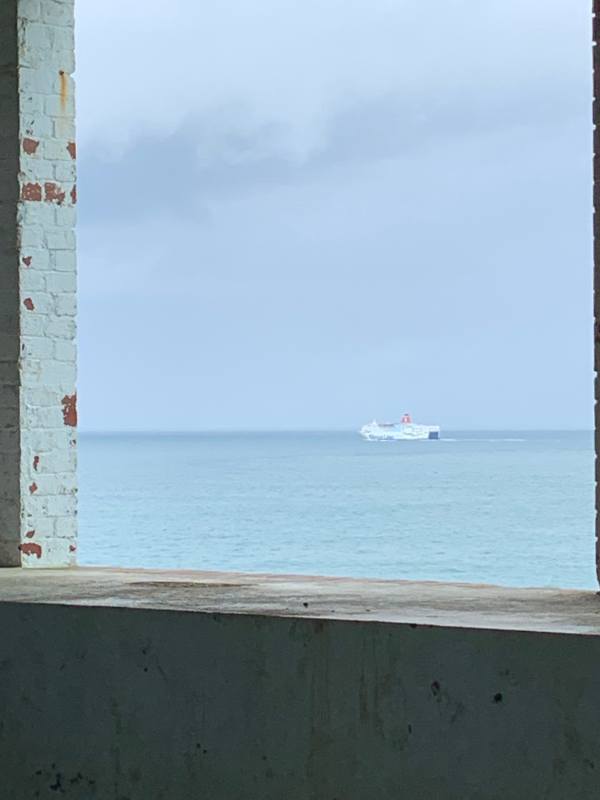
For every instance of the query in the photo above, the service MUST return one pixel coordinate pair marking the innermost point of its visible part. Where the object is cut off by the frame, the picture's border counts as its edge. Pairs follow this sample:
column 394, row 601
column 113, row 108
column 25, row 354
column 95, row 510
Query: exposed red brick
column 30, row 534
column 28, row 303
column 72, row 148
column 72, row 548
column 31, row 549
column 27, row 261
column 33, row 488
column 74, row 194
column 30, row 145
column 69, row 404
column 31, row 191
column 36, row 462
column 54, row 194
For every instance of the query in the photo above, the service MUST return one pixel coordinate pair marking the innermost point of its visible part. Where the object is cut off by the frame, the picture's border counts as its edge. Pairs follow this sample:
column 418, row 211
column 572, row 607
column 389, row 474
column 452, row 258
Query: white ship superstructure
column 405, row 430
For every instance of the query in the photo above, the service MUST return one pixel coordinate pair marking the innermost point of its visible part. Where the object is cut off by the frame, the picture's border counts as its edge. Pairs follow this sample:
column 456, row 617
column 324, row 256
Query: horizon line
column 197, row 431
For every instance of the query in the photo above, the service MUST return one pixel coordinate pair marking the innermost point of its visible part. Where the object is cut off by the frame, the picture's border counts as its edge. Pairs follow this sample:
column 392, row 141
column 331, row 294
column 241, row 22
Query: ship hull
column 399, row 432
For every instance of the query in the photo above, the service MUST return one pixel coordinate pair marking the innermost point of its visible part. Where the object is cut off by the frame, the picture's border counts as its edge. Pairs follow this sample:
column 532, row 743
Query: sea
column 502, row 507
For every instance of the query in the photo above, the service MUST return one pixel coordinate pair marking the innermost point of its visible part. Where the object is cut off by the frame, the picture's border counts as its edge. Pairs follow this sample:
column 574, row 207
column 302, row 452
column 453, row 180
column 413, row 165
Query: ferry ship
column 405, row 430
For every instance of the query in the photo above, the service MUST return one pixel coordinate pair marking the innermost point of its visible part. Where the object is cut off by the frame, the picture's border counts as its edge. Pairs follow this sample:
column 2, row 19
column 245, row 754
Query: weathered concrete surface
column 228, row 687
column 37, row 284
column 427, row 603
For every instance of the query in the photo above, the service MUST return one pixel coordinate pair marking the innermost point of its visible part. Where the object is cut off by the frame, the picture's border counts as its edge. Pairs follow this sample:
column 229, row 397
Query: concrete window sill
column 421, row 603
column 303, row 688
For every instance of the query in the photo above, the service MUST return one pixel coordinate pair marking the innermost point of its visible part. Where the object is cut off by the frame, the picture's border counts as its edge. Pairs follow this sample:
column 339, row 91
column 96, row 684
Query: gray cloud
column 208, row 156
column 339, row 213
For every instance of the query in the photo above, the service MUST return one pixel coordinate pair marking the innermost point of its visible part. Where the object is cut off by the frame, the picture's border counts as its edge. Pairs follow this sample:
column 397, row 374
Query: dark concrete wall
column 140, row 705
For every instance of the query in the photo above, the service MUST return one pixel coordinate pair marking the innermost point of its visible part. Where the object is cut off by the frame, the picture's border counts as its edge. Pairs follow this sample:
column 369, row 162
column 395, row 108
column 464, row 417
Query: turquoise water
column 508, row 508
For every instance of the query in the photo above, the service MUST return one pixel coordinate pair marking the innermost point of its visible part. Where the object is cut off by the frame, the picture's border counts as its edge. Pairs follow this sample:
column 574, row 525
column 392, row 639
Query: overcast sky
column 307, row 213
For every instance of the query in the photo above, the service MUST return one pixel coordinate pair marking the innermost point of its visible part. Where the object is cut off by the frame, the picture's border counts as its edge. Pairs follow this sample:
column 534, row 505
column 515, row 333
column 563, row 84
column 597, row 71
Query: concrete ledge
column 423, row 603
column 112, row 688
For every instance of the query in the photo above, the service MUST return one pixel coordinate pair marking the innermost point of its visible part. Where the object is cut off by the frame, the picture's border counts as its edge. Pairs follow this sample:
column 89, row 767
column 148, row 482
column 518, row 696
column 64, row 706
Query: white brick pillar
column 38, row 402
column 596, row 201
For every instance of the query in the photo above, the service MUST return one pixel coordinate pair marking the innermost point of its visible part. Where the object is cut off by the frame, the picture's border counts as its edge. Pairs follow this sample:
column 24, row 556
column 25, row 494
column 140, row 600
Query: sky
column 309, row 213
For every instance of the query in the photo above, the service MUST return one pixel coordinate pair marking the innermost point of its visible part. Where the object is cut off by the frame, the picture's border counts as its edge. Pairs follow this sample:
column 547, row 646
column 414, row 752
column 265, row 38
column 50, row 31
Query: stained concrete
column 136, row 685
column 424, row 603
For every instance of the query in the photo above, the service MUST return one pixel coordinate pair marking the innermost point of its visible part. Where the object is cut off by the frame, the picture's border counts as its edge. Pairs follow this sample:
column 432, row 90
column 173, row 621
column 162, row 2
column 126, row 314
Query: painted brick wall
column 9, row 286
column 596, row 201
column 38, row 413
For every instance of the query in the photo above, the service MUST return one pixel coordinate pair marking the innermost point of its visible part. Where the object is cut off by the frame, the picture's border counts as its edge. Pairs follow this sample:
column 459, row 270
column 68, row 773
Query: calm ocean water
column 508, row 508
